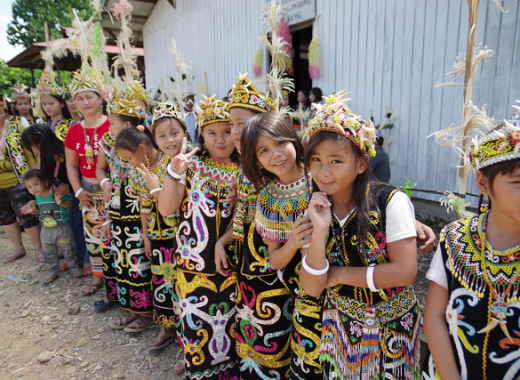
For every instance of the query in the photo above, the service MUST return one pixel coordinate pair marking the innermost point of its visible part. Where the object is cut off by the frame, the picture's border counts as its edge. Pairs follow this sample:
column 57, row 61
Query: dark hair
column 306, row 93
column 316, row 91
column 275, row 127
column 42, row 136
column 362, row 199
column 17, row 113
column 131, row 138
column 64, row 110
column 235, row 156
column 33, row 173
column 170, row 119
column 134, row 122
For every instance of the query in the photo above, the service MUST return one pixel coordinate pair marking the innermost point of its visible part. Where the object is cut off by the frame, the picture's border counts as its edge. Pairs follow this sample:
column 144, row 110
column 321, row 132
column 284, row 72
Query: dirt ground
column 34, row 323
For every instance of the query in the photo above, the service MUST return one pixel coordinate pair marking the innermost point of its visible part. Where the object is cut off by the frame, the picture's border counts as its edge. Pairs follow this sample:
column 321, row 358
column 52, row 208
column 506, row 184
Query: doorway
column 301, row 40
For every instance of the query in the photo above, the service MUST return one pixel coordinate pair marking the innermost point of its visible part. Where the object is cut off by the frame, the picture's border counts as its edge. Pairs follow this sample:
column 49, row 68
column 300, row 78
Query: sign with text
column 299, row 10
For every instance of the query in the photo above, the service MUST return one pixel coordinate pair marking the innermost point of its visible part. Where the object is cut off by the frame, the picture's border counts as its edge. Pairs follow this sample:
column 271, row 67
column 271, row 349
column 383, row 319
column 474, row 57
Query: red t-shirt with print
column 75, row 140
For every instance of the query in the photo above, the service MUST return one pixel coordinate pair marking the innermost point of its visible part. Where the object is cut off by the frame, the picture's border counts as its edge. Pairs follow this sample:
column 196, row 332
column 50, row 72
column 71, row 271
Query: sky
column 6, row 51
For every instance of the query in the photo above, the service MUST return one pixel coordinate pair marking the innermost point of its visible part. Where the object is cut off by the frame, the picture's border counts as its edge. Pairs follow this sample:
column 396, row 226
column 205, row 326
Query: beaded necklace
column 499, row 307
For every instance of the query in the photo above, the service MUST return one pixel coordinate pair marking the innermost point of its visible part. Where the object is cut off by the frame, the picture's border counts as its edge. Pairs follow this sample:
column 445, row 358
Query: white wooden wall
column 388, row 53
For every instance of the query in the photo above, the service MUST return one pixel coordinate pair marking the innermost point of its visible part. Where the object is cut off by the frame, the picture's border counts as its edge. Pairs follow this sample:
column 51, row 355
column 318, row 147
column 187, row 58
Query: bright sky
column 6, row 51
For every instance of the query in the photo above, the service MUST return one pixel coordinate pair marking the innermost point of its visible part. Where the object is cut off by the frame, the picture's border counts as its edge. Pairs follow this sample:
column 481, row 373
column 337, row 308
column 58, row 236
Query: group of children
column 269, row 258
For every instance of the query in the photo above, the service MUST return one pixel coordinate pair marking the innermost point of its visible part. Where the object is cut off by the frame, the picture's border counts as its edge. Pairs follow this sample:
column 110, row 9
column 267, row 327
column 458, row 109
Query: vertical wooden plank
column 366, row 101
column 514, row 90
column 386, row 56
column 346, row 81
column 375, row 102
column 353, row 56
column 340, row 43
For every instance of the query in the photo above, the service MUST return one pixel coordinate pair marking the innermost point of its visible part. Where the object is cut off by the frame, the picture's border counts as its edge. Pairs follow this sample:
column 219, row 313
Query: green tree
column 9, row 76
column 29, row 16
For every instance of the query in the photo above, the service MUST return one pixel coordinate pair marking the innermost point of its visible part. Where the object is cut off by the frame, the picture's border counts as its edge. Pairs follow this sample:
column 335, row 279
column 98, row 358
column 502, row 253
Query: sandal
column 179, row 368
column 41, row 259
column 87, row 271
column 122, row 322
column 77, row 274
column 166, row 341
column 13, row 257
column 50, row 279
column 140, row 324
column 64, row 267
column 90, row 289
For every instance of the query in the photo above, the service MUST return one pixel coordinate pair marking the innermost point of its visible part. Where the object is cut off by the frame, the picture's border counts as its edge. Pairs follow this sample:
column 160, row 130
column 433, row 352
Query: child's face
column 504, row 193
column 72, row 105
column 333, row 166
column 23, row 106
column 218, row 140
column 136, row 158
column 34, row 186
column 277, row 157
column 51, row 106
column 116, row 124
column 168, row 136
column 238, row 118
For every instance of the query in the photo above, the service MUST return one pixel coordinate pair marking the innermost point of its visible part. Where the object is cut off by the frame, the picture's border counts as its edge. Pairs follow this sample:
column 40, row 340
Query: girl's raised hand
column 301, row 229
column 179, row 163
column 319, row 211
column 152, row 180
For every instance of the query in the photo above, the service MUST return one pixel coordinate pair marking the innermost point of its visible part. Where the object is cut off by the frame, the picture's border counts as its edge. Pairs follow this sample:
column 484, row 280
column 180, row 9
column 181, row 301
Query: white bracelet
column 108, row 221
column 370, row 278
column 173, row 174
column 103, row 181
column 79, row 192
column 155, row 190
column 315, row 272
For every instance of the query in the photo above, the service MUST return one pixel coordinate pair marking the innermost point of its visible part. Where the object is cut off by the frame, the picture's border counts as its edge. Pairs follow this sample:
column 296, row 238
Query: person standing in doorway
column 380, row 164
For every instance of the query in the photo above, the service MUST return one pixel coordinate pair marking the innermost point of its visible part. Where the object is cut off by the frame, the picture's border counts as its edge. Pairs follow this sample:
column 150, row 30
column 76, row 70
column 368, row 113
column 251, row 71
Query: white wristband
column 79, row 192
column 315, row 272
column 155, row 190
column 103, row 181
column 370, row 278
column 173, row 174
column 108, row 221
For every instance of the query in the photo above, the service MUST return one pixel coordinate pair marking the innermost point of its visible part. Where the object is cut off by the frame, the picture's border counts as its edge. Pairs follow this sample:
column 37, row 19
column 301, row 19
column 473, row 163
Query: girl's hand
column 107, row 191
column 300, row 230
column 30, row 208
column 85, row 199
column 179, row 163
column 231, row 198
column 319, row 211
column 147, row 246
column 152, row 180
column 221, row 259
column 107, row 231
column 58, row 197
column 425, row 237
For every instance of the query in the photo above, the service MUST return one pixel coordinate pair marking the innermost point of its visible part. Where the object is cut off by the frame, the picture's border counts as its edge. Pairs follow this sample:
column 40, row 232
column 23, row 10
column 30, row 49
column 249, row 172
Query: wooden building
column 388, row 53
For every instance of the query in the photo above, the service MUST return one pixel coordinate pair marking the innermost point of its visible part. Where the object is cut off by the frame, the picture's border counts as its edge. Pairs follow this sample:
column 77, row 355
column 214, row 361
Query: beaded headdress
column 48, row 86
column 123, row 102
column 244, row 94
column 335, row 116
column 497, row 146
column 82, row 82
column 166, row 110
column 19, row 93
column 212, row 110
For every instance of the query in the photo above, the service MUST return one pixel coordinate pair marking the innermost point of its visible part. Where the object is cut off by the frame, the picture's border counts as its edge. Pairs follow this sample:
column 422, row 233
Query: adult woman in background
column 14, row 163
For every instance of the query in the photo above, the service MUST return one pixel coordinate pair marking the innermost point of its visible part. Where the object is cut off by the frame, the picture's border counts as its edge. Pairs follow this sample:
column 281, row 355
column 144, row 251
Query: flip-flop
column 177, row 369
column 143, row 325
column 168, row 340
column 64, row 267
column 87, row 271
column 115, row 326
column 41, row 259
column 103, row 305
column 96, row 287
column 14, row 257
column 50, row 279
column 77, row 274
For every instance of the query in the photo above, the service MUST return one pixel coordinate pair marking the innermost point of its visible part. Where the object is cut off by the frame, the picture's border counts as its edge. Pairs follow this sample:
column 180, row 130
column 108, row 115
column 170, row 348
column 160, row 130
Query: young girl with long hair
column 125, row 282
column 168, row 131
column 272, row 152
column 264, row 304
column 195, row 186
column 82, row 145
column 472, row 310
column 362, row 253
column 54, row 171
column 22, row 105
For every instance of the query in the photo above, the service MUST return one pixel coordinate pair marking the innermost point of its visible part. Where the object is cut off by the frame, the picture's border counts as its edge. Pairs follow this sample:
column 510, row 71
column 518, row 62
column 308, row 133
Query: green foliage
column 407, row 189
column 11, row 75
column 29, row 16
